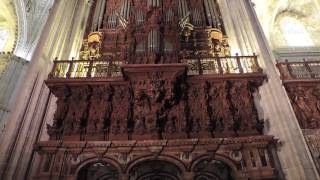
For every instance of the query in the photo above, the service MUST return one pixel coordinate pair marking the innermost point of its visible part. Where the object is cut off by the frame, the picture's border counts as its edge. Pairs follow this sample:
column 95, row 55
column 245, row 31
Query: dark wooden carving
column 100, row 110
column 118, row 124
column 219, row 107
column 199, row 119
column 161, row 105
column 245, row 117
column 305, row 100
column 78, row 111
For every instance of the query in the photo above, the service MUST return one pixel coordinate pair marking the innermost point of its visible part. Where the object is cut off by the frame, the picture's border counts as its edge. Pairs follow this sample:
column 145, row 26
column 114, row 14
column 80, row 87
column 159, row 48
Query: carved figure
column 243, row 108
column 144, row 116
column 100, row 110
column 198, row 109
column 78, row 110
column 177, row 119
column 219, row 107
column 303, row 107
column 120, row 104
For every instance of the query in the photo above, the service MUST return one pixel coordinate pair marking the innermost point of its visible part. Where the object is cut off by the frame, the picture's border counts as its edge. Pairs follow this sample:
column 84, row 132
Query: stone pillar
column 26, row 121
column 276, row 110
column 10, row 78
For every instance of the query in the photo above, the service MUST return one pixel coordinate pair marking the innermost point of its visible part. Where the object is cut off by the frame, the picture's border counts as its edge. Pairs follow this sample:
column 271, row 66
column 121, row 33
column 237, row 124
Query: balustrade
column 223, row 65
column 85, row 69
column 197, row 66
column 299, row 70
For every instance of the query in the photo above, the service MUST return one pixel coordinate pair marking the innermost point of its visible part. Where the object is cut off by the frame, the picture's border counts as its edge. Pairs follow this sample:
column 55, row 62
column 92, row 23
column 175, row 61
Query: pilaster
column 26, row 120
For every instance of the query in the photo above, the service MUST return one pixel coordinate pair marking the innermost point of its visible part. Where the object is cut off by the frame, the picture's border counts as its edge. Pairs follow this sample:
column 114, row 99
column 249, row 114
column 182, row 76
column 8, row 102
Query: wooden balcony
column 68, row 69
column 228, row 65
column 216, row 66
column 299, row 71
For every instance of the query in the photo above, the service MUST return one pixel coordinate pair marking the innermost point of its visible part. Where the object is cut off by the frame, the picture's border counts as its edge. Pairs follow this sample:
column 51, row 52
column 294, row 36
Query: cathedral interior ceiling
column 31, row 17
column 7, row 25
column 271, row 14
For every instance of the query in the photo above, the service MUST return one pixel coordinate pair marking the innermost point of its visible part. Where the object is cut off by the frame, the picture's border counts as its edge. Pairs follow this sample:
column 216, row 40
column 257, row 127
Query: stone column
column 26, row 121
column 10, row 78
column 275, row 107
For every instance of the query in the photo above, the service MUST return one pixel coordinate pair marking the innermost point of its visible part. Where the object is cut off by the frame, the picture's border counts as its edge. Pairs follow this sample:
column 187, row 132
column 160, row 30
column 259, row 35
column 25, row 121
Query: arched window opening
column 295, row 33
column 4, row 36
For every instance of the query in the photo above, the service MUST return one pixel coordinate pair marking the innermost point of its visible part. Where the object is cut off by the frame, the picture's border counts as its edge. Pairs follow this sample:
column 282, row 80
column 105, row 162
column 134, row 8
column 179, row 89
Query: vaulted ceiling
column 8, row 24
column 23, row 20
column 271, row 14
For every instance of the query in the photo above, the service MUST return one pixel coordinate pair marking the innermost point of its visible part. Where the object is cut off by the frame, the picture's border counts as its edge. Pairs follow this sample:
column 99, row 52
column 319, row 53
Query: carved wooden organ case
column 161, row 70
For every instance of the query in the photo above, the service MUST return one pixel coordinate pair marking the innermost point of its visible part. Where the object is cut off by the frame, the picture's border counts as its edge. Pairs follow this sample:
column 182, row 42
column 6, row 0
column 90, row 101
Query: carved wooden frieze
column 253, row 159
column 121, row 112
column 219, row 107
column 158, row 102
column 198, row 116
column 100, row 110
column 78, row 111
column 305, row 100
column 156, row 105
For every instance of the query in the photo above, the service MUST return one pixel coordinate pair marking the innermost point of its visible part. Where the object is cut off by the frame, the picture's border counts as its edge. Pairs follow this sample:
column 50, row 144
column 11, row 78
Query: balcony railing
column 299, row 70
column 85, row 69
column 223, row 65
column 67, row 69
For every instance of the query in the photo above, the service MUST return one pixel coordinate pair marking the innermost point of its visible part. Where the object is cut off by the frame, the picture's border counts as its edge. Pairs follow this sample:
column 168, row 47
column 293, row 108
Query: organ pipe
column 153, row 3
column 210, row 10
column 183, row 8
column 154, row 40
column 212, row 14
column 96, row 16
column 101, row 14
column 202, row 13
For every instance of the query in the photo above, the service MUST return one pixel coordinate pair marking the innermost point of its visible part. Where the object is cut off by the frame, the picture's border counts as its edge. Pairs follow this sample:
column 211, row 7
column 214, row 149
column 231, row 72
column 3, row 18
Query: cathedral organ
column 156, row 84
